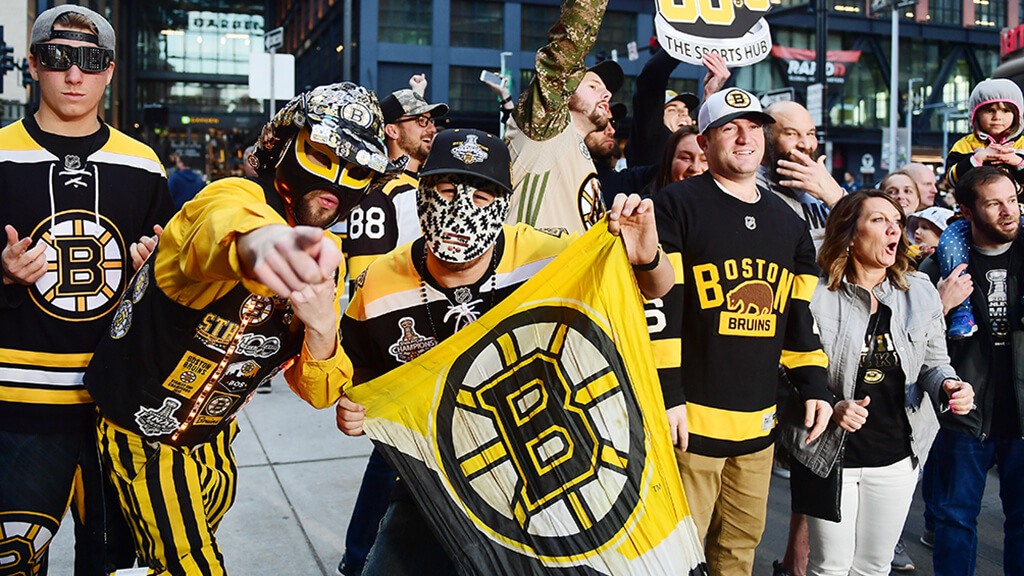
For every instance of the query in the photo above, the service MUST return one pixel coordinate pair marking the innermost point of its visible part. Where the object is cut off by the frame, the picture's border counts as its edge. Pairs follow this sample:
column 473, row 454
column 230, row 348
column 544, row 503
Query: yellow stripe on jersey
column 356, row 264
column 676, row 259
column 667, row 353
column 404, row 179
column 44, row 359
column 35, row 396
column 803, row 287
column 727, row 424
column 15, row 137
column 792, row 360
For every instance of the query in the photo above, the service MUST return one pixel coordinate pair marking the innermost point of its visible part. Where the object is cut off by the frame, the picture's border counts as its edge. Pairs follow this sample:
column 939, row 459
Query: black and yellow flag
column 535, row 439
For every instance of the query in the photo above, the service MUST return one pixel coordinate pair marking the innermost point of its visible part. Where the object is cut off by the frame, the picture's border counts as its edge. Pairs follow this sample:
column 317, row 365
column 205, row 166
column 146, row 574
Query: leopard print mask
column 457, row 230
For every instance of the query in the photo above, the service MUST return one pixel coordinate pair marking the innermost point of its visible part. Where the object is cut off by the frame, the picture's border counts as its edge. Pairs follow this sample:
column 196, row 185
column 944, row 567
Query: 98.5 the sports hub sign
column 735, row 29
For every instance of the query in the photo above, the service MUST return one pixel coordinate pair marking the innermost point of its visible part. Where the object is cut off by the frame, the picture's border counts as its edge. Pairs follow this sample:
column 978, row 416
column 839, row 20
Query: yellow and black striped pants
column 173, row 498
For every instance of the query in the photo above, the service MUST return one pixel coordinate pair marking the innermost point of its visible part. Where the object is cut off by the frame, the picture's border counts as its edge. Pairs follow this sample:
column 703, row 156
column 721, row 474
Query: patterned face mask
column 457, row 230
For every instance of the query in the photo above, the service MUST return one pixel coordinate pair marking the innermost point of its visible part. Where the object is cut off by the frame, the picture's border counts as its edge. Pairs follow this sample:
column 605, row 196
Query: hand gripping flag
column 534, row 440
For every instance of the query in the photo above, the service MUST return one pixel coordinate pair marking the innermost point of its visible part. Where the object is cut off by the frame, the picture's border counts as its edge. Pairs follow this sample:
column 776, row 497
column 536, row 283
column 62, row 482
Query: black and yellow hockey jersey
column 87, row 198
column 384, row 220
column 399, row 312
column 745, row 274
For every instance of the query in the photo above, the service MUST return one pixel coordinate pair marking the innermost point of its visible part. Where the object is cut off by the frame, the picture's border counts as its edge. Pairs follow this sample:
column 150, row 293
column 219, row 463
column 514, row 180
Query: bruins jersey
column 399, row 312
column 86, row 199
column 961, row 155
column 745, row 274
column 385, row 219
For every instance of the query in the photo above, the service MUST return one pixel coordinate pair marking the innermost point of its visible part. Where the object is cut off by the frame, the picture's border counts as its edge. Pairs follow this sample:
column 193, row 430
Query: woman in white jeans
column 882, row 328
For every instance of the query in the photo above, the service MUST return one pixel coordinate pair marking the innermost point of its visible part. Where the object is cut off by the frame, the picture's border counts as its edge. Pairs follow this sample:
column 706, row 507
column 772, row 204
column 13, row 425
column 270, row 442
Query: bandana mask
column 457, row 230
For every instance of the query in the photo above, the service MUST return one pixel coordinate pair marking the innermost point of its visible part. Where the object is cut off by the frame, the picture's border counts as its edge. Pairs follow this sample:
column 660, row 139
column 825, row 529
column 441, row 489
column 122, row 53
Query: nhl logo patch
column 72, row 162
column 750, row 222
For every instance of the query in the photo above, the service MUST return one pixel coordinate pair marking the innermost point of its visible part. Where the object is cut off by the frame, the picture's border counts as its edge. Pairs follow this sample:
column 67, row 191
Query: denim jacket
column 919, row 334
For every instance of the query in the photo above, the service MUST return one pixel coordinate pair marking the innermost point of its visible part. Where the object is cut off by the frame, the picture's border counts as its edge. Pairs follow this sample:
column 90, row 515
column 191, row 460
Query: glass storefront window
column 197, row 42
column 405, row 22
column 477, row 24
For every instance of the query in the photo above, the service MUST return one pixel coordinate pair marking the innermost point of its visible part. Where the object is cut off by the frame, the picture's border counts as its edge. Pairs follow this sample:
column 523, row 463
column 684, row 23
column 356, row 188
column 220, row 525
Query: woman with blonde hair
column 881, row 325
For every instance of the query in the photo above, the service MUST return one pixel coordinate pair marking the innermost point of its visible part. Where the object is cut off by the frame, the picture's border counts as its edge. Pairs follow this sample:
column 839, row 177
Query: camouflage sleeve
column 542, row 112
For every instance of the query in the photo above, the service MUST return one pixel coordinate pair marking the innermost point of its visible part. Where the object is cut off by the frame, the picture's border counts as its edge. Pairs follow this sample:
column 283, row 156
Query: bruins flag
column 534, row 440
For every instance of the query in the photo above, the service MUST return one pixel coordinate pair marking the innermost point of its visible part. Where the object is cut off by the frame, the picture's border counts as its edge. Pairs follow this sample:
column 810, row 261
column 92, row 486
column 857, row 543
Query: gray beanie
column 998, row 90
column 42, row 29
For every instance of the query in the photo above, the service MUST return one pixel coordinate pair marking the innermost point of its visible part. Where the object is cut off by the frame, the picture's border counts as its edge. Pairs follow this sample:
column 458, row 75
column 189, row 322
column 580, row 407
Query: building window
column 466, row 93
column 477, row 24
column 536, row 21
column 405, row 22
column 945, row 11
column 196, row 42
column 617, row 30
column 990, row 13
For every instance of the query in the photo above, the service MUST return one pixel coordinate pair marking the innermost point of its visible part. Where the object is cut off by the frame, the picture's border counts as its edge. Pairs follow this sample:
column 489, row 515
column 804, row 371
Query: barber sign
column 735, row 29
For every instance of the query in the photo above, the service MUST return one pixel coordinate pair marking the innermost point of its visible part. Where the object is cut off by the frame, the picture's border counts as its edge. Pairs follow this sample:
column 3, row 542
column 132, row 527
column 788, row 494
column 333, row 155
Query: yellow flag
column 535, row 439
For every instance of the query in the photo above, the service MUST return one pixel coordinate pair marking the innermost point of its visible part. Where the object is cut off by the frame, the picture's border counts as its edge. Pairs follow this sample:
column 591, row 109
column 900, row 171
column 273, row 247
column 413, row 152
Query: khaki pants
column 728, row 499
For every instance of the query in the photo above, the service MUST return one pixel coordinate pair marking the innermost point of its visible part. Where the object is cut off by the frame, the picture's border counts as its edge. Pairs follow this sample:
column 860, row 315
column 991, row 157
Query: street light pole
column 894, row 85
column 910, row 116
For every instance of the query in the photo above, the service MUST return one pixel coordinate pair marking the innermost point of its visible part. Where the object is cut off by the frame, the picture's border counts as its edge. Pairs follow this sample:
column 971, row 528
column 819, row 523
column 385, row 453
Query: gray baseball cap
column 727, row 105
column 408, row 103
column 42, row 29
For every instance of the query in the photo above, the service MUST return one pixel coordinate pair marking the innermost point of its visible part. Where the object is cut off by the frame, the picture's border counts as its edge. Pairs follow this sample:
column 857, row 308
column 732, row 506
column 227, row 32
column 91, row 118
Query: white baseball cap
column 727, row 105
column 936, row 215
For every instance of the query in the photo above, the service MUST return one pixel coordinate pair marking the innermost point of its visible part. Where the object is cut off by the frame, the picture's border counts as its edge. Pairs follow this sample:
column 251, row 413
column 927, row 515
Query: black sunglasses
column 90, row 59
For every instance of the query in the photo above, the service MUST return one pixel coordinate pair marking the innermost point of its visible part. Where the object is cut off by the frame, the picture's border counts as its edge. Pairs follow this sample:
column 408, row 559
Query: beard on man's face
column 308, row 211
column 772, row 157
column 594, row 115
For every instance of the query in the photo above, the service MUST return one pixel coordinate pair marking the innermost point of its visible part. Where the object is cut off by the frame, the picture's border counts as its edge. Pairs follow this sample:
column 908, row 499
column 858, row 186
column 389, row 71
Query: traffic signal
column 6, row 58
column 26, row 75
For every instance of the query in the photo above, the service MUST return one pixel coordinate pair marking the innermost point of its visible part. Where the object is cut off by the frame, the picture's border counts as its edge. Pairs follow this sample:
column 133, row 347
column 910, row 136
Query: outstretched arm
column 542, row 112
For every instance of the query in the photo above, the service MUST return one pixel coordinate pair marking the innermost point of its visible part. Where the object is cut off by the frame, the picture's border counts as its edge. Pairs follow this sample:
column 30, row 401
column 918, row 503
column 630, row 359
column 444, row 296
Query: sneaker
column 777, row 569
column 961, row 324
column 901, row 562
column 264, row 388
column 928, row 538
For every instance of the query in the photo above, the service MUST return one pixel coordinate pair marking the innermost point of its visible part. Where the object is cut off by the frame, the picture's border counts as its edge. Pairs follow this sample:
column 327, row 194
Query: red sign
column 802, row 67
column 1011, row 40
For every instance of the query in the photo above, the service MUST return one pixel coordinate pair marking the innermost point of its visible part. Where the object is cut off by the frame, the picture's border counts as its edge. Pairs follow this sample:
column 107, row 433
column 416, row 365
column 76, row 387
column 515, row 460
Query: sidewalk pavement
column 299, row 476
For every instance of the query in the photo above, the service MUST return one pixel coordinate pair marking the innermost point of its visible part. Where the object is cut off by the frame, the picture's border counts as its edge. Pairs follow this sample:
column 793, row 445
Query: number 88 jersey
column 384, row 220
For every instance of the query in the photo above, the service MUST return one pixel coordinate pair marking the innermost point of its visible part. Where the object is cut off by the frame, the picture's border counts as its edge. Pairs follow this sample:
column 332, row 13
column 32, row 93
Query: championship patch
column 217, row 406
column 470, row 151
column 141, row 283
column 412, row 343
column 158, row 421
column 258, row 345
column 257, row 309
column 189, row 375
column 216, row 332
column 122, row 321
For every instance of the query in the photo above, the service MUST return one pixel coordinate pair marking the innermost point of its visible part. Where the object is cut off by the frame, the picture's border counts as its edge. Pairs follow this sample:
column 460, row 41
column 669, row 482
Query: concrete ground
column 299, row 477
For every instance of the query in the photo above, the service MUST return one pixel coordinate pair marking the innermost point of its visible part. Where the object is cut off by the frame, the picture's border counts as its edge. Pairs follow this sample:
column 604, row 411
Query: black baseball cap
column 472, row 152
column 610, row 73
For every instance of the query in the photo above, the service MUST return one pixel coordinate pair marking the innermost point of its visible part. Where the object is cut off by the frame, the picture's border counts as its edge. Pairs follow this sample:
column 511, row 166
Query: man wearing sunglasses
column 74, row 193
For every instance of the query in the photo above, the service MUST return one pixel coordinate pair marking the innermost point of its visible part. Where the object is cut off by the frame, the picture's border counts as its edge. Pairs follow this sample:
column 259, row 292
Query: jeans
column 406, row 546
column 961, row 463
column 371, row 504
column 954, row 245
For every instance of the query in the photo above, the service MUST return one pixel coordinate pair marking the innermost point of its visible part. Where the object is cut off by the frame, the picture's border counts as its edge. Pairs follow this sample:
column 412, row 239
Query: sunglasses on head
column 90, row 59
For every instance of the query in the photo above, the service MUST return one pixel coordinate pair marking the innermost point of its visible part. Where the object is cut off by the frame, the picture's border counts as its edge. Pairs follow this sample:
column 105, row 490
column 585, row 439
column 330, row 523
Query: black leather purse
column 813, row 495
